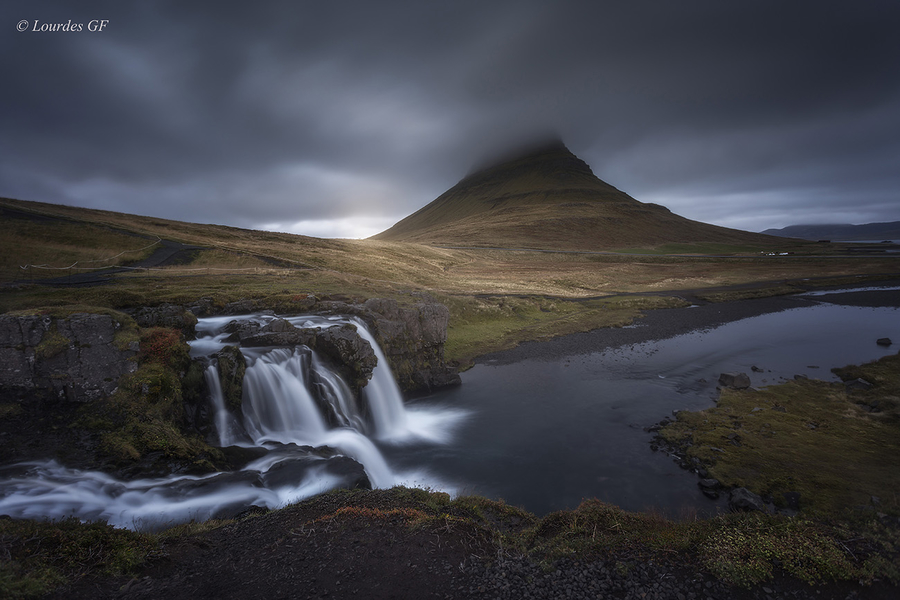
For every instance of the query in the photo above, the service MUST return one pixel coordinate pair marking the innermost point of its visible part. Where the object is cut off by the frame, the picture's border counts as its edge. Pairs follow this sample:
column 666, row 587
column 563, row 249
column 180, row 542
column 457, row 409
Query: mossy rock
column 232, row 367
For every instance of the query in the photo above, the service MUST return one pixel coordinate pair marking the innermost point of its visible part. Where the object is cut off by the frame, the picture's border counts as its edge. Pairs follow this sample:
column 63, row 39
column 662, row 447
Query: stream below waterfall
column 539, row 433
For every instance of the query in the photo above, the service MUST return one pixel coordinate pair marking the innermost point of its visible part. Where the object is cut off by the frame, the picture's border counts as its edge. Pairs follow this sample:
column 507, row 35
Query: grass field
column 497, row 297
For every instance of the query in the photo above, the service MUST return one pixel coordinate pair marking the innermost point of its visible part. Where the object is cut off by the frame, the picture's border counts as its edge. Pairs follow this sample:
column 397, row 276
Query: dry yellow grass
column 236, row 263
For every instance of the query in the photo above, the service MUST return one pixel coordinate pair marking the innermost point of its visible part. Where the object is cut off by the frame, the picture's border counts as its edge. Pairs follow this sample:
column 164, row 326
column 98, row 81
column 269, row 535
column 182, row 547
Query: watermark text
column 38, row 26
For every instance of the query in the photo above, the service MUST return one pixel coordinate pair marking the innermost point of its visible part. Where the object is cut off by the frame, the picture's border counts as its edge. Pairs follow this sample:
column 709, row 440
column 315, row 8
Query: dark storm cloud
column 307, row 116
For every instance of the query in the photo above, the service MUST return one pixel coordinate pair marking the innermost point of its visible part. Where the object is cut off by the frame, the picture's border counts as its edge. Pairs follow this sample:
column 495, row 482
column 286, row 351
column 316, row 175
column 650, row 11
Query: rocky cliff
column 78, row 357
column 81, row 356
column 412, row 336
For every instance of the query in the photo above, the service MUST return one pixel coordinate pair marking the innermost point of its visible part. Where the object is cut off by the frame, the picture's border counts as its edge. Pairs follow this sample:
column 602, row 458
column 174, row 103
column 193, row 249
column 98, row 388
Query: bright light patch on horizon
column 346, row 228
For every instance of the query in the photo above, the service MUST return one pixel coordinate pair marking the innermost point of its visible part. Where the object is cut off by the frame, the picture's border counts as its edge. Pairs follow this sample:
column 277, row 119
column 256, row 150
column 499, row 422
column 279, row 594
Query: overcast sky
column 338, row 118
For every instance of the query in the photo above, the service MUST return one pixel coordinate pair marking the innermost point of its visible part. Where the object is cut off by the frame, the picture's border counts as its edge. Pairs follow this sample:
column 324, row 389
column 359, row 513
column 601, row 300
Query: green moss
column 192, row 384
column 52, row 343
column 231, row 373
column 479, row 325
column 146, row 413
column 744, row 549
column 40, row 556
column 166, row 347
column 748, row 294
column 10, row 409
column 810, row 437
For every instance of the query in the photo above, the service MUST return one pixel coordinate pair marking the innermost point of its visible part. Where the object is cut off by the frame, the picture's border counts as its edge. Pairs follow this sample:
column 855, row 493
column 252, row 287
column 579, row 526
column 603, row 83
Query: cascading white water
column 383, row 395
column 278, row 407
column 291, row 400
column 338, row 396
column 277, row 404
column 226, row 424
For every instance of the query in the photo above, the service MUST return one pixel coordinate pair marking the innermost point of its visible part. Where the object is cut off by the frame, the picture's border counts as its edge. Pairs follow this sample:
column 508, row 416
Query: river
column 542, row 432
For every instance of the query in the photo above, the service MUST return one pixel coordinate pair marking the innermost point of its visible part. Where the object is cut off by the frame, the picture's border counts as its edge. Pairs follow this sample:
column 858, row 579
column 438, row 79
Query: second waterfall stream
column 295, row 409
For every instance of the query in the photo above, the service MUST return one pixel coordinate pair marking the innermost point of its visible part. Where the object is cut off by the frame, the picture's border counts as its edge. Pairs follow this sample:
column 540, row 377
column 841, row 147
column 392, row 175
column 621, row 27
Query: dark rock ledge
column 411, row 336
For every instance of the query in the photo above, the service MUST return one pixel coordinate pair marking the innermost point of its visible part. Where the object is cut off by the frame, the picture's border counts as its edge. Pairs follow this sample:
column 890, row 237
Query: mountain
column 870, row 231
column 546, row 197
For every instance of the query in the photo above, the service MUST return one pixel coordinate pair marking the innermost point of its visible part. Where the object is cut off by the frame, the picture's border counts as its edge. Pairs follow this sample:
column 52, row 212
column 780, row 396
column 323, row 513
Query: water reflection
column 547, row 434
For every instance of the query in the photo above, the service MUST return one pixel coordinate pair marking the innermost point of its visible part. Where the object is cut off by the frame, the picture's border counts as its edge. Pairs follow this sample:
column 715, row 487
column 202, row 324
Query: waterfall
column 292, row 400
column 277, row 405
column 226, row 425
column 337, row 396
column 382, row 395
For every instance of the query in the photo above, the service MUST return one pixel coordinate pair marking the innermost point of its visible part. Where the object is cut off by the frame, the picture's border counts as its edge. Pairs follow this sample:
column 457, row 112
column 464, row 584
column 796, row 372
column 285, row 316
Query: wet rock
column 857, row 384
column 413, row 339
column 348, row 350
column 237, row 457
column 243, row 306
column 252, row 335
column 342, row 345
column 349, row 473
column 737, row 381
column 883, row 341
column 411, row 336
column 231, row 368
column 241, row 330
column 278, row 326
column 742, row 499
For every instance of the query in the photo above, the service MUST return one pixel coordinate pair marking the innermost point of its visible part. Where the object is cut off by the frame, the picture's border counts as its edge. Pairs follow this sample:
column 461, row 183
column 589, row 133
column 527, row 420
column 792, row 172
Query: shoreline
column 666, row 323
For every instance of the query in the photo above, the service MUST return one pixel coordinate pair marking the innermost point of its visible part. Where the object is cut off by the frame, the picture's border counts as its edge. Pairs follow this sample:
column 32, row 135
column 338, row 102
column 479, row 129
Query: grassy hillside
column 550, row 199
column 497, row 298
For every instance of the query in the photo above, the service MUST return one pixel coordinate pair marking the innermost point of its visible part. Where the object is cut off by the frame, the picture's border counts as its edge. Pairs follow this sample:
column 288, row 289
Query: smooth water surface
column 546, row 434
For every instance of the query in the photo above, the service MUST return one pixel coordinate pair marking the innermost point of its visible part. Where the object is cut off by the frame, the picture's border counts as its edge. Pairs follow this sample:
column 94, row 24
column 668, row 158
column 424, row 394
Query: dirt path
column 168, row 253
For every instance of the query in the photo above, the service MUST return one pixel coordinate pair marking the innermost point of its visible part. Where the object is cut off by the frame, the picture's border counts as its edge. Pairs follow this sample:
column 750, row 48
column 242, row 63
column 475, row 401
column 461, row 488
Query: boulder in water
column 736, row 381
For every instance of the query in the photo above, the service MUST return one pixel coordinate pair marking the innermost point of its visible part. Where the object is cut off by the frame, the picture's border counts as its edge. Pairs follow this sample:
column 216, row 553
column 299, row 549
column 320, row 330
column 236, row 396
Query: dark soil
column 305, row 551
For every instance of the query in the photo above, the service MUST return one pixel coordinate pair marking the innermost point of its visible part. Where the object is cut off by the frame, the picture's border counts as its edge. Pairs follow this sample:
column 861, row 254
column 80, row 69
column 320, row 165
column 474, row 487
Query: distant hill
column 870, row 231
column 546, row 197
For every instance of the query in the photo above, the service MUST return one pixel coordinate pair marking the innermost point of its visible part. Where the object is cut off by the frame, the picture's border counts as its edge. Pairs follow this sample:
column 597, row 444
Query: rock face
column 413, row 338
column 232, row 367
column 75, row 358
column 737, row 381
column 166, row 315
column 342, row 344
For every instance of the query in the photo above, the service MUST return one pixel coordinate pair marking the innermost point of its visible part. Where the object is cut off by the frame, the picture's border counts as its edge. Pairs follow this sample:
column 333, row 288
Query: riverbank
column 664, row 323
column 413, row 544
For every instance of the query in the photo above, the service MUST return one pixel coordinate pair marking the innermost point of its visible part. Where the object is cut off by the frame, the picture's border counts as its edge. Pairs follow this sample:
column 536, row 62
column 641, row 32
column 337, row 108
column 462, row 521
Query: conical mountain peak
column 543, row 196
column 548, row 157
